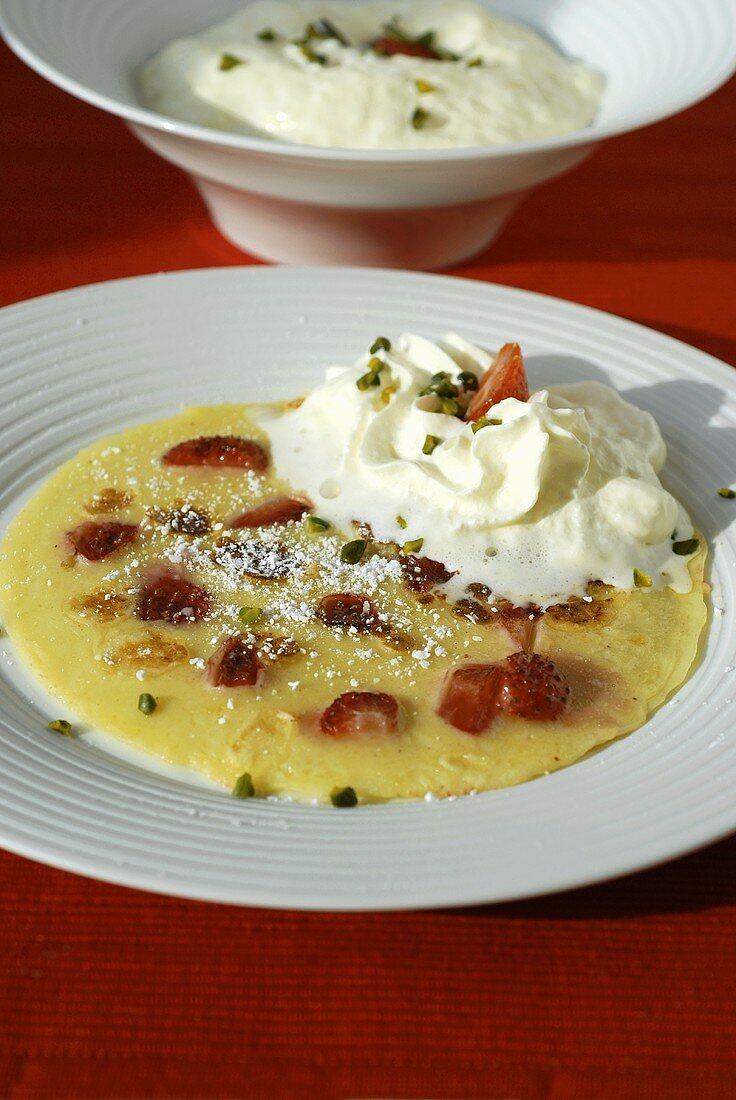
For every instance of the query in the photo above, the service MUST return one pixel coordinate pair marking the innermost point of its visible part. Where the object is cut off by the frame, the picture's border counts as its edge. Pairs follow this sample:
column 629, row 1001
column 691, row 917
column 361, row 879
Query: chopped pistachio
column 485, row 422
column 402, row 523
column 315, row 524
column 476, row 63
column 685, row 547
column 380, row 344
column 467, row 380
column 244, row 787
column 343, row 797
column 146, row 703
column 309, row 53
column 642, row 580
column 250, row 615
column 229, row 61
column 370, row 378
column 430, row 442
column 443, row 387
column 387, row 393
column 352, row 552
column 729, row 494
column 420, row 118
column 394, row 30
column 267, row 35
column 413, row 546
column 424, row 87
column 324, row 28
column 450, row 406
column 60, row 725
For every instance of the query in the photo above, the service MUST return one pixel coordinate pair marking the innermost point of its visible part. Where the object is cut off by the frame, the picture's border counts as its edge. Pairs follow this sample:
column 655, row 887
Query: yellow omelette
column 77, row 624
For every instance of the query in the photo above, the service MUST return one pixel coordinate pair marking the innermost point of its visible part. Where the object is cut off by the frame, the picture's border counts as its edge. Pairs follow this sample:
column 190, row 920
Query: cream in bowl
column 374, row 76
column 276, row 195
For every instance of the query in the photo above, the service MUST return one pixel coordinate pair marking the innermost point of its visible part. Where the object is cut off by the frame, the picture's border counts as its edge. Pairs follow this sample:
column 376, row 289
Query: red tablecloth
column 618, row 991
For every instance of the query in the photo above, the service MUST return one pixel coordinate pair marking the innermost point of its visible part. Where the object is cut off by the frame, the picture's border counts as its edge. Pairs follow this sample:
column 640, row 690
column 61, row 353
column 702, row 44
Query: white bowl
column 416, row 208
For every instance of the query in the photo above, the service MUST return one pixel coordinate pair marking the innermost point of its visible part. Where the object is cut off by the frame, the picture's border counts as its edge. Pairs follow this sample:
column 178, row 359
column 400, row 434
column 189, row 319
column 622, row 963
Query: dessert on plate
column 418, row 580
column 417, row 74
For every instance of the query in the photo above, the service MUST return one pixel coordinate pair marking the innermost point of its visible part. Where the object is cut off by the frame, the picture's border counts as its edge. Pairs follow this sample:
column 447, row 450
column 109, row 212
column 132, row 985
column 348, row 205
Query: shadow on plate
column 702, row 402
column 703, row 880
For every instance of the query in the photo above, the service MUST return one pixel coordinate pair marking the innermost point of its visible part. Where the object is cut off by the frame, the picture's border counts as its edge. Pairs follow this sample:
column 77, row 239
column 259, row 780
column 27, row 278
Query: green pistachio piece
column 344, row 797
column 352, row 552
column 244, row 787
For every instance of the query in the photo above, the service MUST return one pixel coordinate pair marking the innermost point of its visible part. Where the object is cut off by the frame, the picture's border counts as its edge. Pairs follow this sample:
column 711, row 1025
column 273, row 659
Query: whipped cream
column 564, row 490
column 504, row 84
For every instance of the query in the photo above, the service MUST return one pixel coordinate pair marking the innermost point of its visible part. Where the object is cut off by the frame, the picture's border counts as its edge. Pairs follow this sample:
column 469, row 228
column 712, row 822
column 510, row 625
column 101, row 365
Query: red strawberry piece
column 348, row 609
column 218, row 451
column 357, row 712
column 167, row 596
column 519, row 621
column 421, row 574
column 389, row 46
column 234, row 664
column 468, row 697
column 531, row 686
column 95, row 541
column 506, row 377
column 273, row 512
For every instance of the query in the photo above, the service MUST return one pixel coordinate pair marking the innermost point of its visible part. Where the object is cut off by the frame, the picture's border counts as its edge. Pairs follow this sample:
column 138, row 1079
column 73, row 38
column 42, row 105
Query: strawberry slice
column 421, row 574
column 468, row 697
column 95, row 541
column 389, row 46
column 168, row 597
column 531, row 686
column 506, row 377
column 348, row 609
column 525, row 685
column 274, row 512
column 520, row 622
column 357, row 712
column 234, row 664
column 218, row 451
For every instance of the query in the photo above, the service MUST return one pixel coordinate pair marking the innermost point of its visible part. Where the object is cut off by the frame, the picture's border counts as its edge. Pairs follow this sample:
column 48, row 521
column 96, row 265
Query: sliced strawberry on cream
column 234, row 664
column 167, row 596
column 506, row 377
column 273, row 513
column 361, row 712
column 95, row 541
column 390, row 46
column 218, row 451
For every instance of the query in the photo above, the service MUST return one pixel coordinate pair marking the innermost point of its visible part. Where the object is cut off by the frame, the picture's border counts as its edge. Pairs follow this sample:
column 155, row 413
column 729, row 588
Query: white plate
column 85, row 362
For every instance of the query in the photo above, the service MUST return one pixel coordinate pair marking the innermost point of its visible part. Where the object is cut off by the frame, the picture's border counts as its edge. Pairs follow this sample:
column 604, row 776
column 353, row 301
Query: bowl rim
column 143, row 116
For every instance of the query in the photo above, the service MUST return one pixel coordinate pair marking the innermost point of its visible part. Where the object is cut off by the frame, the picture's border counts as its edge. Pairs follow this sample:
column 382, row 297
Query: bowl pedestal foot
column 305, row 233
